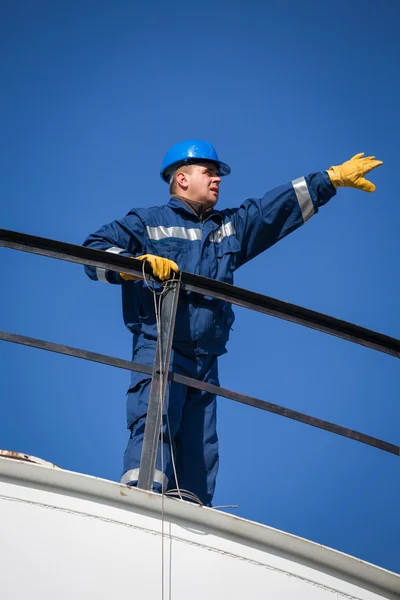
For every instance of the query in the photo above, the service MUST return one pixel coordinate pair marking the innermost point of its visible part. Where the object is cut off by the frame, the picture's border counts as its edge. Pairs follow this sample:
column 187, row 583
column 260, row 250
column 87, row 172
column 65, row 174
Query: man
column 189, row 234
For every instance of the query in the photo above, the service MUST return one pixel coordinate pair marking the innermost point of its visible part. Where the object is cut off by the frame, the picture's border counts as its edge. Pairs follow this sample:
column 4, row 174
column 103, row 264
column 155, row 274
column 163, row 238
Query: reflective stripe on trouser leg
column 133, row 475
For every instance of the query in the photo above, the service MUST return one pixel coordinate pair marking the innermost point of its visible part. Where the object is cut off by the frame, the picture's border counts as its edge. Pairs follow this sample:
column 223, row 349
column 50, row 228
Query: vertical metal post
column 169, row 303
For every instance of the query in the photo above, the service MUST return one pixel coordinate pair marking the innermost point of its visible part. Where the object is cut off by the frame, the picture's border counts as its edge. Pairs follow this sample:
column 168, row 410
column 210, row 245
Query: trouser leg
column 197, row 441
column 192, row 429
column 137, row 403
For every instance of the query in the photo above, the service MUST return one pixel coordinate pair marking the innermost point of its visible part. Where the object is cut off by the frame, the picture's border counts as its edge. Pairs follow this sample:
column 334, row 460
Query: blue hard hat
column 188, row 153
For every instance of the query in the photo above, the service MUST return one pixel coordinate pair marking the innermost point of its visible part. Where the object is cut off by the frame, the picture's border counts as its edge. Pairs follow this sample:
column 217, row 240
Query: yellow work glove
column 161, row 267
column 351, row 173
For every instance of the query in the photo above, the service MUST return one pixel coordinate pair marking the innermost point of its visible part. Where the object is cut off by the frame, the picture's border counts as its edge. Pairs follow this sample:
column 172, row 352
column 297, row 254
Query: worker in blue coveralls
column 188, row 233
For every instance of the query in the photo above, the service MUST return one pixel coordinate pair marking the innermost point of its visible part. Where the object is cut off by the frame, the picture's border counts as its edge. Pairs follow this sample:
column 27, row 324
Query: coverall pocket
column 227, row 256
column 171, row 248
column 228, row 245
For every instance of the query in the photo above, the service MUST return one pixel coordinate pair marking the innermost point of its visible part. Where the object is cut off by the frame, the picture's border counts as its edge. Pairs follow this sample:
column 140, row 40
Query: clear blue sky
column 93, row 94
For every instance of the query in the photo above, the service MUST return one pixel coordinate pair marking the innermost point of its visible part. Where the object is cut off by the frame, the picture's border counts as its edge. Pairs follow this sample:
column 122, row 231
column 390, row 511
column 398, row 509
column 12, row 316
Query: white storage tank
column 66, row 535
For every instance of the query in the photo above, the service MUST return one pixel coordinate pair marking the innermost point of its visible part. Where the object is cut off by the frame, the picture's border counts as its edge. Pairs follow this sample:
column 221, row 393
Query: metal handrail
column 217, row 289
column 200, row 385
column 210, row 287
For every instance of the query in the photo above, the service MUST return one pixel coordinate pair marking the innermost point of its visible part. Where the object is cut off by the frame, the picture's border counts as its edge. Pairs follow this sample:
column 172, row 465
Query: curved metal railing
column 160, row 372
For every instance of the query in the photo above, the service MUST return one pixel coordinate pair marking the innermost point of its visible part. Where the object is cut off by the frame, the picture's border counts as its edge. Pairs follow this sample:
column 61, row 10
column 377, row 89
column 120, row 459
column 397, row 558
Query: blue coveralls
column 215, row 248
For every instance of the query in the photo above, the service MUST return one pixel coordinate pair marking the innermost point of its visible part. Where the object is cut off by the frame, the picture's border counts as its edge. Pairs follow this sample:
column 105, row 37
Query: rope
column 157, row 297
column 176, row 492
column 184, row 494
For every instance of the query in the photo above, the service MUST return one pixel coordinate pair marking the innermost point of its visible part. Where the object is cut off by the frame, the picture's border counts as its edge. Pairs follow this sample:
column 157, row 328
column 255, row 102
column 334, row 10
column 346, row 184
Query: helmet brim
column 224, row 169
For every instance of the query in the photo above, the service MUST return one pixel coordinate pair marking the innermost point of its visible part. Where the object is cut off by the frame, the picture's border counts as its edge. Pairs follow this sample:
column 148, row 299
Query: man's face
column 203, row 183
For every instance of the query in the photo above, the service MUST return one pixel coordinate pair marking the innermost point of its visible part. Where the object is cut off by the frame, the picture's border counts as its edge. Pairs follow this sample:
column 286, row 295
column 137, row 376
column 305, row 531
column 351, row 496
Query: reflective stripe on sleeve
column 225, row 230
column 101, row 273
column 133, row 475
column 161, row 232
column 303, row 198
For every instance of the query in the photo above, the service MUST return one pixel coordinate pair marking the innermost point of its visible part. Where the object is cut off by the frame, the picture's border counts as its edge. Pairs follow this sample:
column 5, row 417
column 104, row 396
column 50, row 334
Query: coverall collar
column 176, row 204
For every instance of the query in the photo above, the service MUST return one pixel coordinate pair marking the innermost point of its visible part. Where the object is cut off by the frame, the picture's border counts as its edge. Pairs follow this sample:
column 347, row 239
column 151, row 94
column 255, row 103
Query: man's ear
column 181, row 178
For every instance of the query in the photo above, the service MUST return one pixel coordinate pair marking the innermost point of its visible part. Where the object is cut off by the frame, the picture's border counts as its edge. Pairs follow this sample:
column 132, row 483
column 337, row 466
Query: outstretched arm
column 260, row 223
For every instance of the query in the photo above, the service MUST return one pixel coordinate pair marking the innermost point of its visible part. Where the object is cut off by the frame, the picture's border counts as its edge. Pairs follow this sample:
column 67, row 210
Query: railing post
column 169, row 303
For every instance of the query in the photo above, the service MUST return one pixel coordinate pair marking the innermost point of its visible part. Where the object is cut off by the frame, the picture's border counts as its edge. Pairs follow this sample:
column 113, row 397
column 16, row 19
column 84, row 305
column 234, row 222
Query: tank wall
column 64, row 544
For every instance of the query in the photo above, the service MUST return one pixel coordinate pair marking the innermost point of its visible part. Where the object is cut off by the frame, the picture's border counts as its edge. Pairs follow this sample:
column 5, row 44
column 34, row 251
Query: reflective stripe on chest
column 192, row 234
column 183, row 233
column 225, row 230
